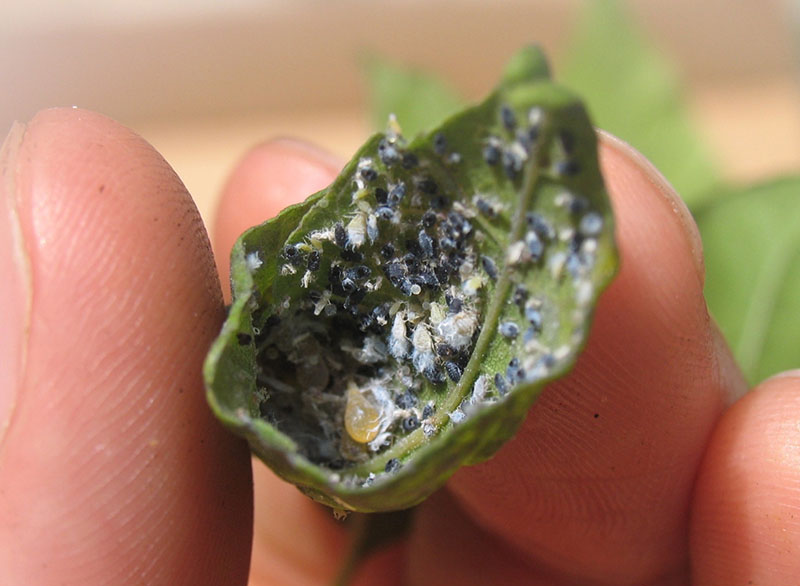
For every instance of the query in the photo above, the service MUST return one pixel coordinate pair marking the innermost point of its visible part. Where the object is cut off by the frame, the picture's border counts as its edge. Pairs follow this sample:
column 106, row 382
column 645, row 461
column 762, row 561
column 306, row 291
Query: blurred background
column 204, row 81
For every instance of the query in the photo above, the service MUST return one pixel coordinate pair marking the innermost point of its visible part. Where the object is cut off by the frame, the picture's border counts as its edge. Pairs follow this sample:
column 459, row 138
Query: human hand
column 113, row 471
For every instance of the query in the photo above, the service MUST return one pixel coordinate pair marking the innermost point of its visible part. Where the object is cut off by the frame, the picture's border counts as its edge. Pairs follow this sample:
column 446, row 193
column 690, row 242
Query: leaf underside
column 398, row 324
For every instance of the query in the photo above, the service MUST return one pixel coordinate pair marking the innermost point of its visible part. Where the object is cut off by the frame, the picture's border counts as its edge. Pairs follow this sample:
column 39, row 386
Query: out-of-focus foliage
column 418, row 99
column 752, row 251
column 633, row 93
column 751, row 240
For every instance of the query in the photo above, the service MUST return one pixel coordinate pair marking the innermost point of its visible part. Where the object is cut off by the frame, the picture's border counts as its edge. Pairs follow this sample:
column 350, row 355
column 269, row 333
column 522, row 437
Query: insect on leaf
column 399, row 323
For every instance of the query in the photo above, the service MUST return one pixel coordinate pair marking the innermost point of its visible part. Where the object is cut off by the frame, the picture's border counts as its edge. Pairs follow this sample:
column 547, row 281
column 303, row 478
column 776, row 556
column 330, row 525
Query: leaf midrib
column 488, row 327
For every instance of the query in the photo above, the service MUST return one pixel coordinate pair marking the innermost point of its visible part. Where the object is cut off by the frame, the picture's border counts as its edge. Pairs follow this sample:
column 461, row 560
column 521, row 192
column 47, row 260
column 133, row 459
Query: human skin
column 648, row 464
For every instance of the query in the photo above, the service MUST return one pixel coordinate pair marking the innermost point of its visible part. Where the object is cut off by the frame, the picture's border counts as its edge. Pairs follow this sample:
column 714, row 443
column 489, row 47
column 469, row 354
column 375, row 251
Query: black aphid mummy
column 492, row 154
column 512, row 163
column 396, row 194
column 508, row 117
column 439, row 202
column 293, row 255
column 577, row 205
column 488, row 265
column 453, row 371
column 567, row 140
column 484, row 208
column 425, row 243
column 514, row 372
column 410, row 161
column 434, row 375
column 427, row 186
column 339, row 235
column 447, row 243
column 410, row 423
column 539, row 224
column 387, row 251
column 591, row 224
column 387, row 152
column 509, row 329
column 314, row 258
column 445, row 350
column 407, row 400
column 368, row 174
column 525, row 139
column 439, row 144
column 534, row 317
column 520, row 295
column 428, row 219
column 455, row 304
column 395, row 271
column 351, row 255
column 568, row 168
column 381, row 314
column 411, row 258
column 392, row 465
column 535, row 246
column 500, row 384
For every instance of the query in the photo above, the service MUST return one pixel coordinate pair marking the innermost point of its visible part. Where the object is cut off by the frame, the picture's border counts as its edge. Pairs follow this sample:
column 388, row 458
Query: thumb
column 112, row 469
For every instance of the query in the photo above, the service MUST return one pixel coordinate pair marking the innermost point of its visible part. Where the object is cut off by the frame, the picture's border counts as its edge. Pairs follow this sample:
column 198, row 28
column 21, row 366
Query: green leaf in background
column 632, row 92
column 420, row 100
column 399, row 324
column 751, row 241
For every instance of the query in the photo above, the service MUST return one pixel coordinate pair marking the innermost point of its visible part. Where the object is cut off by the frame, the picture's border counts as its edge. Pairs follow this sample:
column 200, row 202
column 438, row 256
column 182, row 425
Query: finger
column 270, row 177
column 112, row 469
column 447, row 547
column 598, row 480
column 295, row 540
column 746, row 513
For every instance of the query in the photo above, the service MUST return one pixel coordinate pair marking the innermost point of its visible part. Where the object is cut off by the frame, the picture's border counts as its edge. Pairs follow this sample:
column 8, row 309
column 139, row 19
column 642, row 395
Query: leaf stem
column 498, row 300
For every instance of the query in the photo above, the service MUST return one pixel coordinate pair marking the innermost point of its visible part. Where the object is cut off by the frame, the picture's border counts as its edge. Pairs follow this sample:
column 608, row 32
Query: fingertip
column 113, row 469
column 628, row 171
column 600, row 474
column 270, row 177
column 745, row 526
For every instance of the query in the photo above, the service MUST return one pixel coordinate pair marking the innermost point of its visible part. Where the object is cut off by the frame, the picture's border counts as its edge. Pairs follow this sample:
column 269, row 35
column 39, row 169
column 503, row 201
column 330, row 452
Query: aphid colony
column 389, row 301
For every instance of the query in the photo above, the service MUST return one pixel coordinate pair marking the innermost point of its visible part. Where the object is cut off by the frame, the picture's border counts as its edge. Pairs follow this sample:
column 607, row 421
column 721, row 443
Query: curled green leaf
column 399, row 324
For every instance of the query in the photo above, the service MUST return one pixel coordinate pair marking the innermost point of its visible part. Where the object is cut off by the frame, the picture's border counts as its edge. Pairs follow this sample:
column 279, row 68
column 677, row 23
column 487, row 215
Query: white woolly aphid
column 398, row 342
column 457, row 329
column 252, row 261
column 357, row 230
column 422, row 356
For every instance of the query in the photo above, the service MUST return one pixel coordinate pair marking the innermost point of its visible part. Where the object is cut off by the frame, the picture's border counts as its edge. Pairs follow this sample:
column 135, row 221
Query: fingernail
column 668, row 192
column 309, row 151
column 15, row 286
column 793, row 374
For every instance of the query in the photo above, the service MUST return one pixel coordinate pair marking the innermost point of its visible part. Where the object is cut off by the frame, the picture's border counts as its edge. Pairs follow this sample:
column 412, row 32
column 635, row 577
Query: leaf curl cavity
column 399, row 323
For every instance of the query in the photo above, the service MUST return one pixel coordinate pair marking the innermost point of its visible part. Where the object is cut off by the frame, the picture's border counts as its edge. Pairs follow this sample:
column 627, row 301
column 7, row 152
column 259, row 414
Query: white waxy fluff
column 398, row 342
column 422, row 357
column 357, row 230
column 457, row 329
